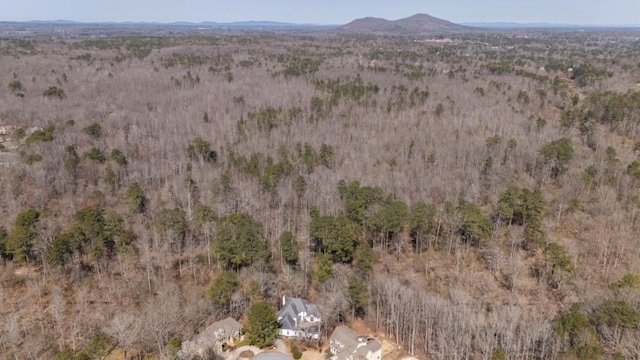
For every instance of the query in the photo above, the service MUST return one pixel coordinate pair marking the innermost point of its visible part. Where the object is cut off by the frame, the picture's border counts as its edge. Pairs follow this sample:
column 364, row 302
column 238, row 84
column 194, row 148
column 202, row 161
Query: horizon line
column 176, row 22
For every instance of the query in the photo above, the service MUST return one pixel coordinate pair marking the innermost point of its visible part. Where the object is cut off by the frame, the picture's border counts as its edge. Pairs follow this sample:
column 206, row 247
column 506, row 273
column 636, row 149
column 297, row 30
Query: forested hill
column 469, row 197
column 418, row 24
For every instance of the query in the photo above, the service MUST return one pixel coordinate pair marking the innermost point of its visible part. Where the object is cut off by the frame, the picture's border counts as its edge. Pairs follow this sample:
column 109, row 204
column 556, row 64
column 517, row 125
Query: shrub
column 43, row 135
column 94, row 130
column 18, row 134
column 118, row 157
column 15, row 85
column 629, row 280
column 174, row 345
column 295, row 351
column 30, row 159
column 96, row 155
column 499, row 354
column 53, row 92
column 201, row 149
column 500, row 68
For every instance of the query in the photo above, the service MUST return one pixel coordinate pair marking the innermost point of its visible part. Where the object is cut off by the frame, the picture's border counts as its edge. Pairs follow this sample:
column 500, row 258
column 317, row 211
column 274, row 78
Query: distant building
column 345, row 344
column 215, row 337
column 5, row 132
column 300, row 319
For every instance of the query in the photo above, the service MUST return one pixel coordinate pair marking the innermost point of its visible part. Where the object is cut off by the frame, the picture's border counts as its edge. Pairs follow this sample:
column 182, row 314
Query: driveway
column 235, row 354
column 281, row 346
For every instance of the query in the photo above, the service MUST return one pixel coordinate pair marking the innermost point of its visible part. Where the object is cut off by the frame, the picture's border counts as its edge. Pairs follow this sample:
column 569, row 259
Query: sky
column 591, row 12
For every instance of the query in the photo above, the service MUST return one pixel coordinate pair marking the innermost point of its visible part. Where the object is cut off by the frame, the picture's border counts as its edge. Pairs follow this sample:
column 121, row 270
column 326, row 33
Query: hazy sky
column 324, row 11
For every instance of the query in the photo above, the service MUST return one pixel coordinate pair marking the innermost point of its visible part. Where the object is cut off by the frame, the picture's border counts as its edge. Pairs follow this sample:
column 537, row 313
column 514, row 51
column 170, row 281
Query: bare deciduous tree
column 125, row 328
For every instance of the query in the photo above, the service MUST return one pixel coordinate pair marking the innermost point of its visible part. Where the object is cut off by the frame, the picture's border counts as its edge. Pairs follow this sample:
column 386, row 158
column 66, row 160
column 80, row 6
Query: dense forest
column 474, row 197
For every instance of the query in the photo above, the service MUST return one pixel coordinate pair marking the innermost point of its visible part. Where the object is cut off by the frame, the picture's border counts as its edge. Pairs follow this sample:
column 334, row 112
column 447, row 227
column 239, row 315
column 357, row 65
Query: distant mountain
column 513, row 25
column 369, row 24
column 416, row 24
column 256, row 24
column 274, row 24
column 424, row 22
column 62, row 22
column 238, row 24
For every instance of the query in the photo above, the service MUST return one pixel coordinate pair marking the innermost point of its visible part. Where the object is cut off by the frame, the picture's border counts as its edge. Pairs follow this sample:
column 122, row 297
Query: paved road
column 235, row 354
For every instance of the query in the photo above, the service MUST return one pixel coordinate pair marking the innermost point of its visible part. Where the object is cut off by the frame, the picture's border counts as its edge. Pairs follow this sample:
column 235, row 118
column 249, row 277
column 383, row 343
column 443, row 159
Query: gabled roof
column 219, row 330
column 372, row 345
column 287, row 316
column 346, row 342
column 343, row 338
column 287, row 323
column 294, row 306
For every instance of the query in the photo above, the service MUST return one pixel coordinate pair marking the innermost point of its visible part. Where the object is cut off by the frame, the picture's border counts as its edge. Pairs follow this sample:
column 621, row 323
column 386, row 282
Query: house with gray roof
column 214, row 337
column 345, row 344
column 299, row 319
